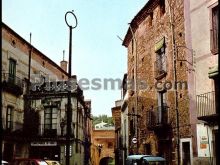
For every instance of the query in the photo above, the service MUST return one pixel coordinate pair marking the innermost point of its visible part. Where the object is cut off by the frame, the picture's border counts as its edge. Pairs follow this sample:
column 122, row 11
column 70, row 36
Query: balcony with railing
column 157, row 118
column 206, row 107
column 12, row 84
column 160, row 68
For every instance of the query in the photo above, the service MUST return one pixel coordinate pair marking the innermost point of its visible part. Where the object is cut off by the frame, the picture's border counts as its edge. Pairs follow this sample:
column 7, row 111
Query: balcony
column 15, row 128
column 50, row 132
column 157, row 118
column 206, row 107
column 12, row 84
column 160, row 68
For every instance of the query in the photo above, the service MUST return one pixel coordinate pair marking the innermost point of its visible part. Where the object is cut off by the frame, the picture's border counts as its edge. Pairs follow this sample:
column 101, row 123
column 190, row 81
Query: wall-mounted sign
column 48, row 143
column 134, row 140
column 203, row 142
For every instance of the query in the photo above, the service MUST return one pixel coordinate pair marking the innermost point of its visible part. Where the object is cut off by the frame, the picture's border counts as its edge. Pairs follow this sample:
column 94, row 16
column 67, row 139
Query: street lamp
column 69, row 107
column 99, row 146
column 62, row 124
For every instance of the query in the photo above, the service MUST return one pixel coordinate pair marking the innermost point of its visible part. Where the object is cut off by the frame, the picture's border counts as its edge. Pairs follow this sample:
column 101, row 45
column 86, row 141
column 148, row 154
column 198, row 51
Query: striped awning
column 159, row 44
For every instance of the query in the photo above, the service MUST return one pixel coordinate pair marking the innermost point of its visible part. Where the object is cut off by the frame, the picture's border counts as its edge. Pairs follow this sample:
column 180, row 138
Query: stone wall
column 147, row 36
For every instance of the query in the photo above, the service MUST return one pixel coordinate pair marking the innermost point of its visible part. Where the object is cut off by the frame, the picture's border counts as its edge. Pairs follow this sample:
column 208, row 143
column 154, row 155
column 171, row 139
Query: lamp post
column 99, row 146
column 62, row 124
column 69, row 107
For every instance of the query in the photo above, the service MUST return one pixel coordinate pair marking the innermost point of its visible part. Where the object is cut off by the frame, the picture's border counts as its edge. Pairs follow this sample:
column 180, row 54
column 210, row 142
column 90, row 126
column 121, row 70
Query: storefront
column 45, row 150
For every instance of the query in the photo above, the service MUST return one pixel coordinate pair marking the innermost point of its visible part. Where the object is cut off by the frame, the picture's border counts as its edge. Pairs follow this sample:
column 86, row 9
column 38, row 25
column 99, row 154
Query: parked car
column 145, row 160
column 52, row 162
column 28, row 161
column 4, row 162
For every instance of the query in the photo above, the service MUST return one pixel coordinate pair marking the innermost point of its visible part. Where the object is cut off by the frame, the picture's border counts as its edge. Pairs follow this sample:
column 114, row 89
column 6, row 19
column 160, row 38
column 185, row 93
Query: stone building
column 203, row 37
column 34, row 114
column 158, row 69
column 116, row 115
column 102, row 148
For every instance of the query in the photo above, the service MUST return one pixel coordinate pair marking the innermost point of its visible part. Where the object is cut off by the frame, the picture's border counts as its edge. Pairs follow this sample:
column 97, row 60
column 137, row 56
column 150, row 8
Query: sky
column 97, row 51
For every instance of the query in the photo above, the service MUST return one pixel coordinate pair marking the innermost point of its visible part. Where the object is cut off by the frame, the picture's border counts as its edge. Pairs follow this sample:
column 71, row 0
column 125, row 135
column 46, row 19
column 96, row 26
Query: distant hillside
column 104, row 118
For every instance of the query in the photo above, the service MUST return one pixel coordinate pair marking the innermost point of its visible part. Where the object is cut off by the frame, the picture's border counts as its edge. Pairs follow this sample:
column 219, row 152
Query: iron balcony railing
column 206, row 104
column 12, row 126
column 12, row 83
column 157, row 117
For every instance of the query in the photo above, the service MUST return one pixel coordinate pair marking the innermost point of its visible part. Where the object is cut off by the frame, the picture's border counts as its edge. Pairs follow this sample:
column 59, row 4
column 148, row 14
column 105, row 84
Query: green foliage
column 104, row 118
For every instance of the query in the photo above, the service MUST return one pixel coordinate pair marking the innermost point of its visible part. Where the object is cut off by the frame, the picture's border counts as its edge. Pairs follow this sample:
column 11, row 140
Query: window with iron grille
column 214, row 30
column 9, row 118
column 160, row 64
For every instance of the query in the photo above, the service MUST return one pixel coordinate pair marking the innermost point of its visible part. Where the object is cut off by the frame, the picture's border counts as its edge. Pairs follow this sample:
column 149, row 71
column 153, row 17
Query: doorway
column 186, row 151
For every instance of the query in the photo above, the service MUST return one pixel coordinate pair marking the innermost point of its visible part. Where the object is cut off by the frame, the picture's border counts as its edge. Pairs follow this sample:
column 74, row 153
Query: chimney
column 63, row 64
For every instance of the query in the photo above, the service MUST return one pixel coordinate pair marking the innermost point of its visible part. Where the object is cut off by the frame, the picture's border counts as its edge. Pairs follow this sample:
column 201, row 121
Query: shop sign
column 48, row 143
column 203, row 142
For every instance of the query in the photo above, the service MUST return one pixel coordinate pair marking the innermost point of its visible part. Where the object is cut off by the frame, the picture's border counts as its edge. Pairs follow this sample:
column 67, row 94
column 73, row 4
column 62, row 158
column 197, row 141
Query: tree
column 104, row 118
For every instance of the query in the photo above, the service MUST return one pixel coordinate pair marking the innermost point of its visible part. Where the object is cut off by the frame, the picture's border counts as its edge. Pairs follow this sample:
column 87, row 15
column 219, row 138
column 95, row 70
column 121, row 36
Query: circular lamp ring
column 71, row 12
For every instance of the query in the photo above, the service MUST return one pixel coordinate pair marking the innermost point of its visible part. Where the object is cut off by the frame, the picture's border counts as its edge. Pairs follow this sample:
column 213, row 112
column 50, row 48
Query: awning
column 159, row 44
column 213, row 71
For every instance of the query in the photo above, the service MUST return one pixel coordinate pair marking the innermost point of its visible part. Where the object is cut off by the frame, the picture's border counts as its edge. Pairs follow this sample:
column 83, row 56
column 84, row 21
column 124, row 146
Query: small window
column 13, row 43
column 43, row 63
column 151, row 15
column 162, row 7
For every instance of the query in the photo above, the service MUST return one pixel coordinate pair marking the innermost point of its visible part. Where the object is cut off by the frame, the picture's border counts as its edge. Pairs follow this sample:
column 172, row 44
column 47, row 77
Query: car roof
column 149, row 158
column 154, row 158
column 136, row 156
column 4, row 162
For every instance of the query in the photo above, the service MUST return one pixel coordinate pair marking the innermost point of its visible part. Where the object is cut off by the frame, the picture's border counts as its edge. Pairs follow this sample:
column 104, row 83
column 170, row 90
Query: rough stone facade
column 149, row 26
column 116, row 115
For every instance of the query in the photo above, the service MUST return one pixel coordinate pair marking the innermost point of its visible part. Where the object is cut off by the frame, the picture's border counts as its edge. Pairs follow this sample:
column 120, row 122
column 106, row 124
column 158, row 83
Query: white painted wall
column 204, row 140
